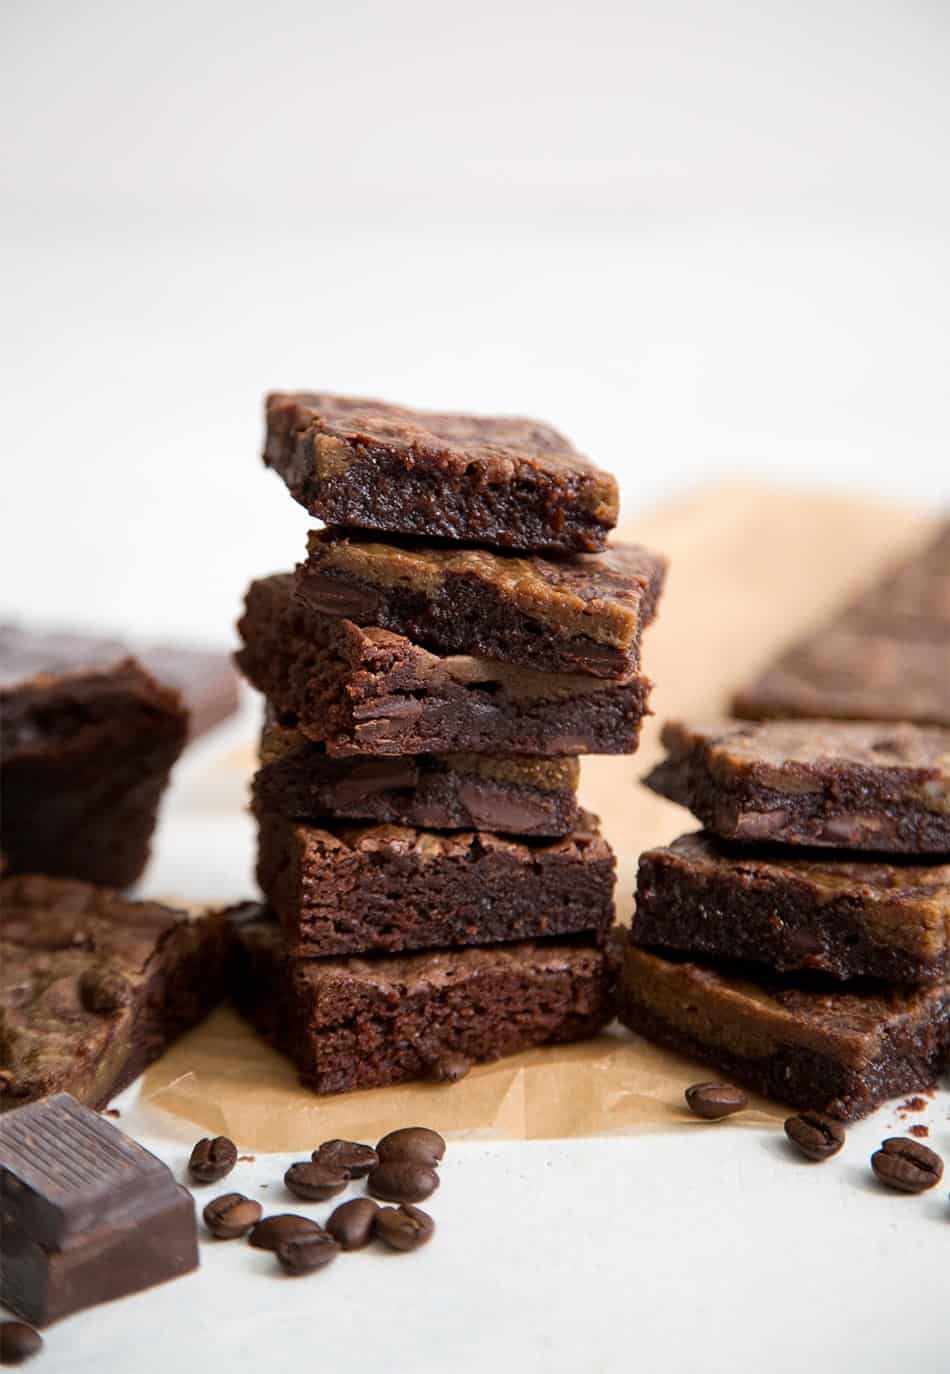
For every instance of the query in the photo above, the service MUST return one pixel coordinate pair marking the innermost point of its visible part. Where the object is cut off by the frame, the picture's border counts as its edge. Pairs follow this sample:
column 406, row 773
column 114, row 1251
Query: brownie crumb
column 112, row 1111
column 247, row 1159
column 913, row 1104
column 919, row 1130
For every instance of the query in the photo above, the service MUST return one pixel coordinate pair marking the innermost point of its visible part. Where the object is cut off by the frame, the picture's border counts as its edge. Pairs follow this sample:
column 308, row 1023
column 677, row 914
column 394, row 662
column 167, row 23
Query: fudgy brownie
column 584, row 614
column 364, row 1023
column 884, row 656
column 369, row 691
column 388, row 887
column 515, row 794
column 94, row 987
column 86, row 758
column 839, row 1052
column 796, row 910
column 206, row 679
column 854, row 785
column 508, row 482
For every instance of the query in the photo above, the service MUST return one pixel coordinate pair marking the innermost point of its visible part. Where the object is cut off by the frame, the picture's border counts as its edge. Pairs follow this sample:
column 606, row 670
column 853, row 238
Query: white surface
column 710, row 1248
column 699, row 237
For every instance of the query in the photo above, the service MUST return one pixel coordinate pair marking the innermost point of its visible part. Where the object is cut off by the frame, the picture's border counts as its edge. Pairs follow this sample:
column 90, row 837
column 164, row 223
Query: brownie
column 571, row 615
column 516, row 794
column 884, row 656
column 796, row 909
column 369, row 691
column 93, row 987
column 840, row 1052
column 854, row 785
column 509, row 482
column 86, row 757
column 365, row 1023
column 205, row 679
column 87, row 1214
column 387, row 888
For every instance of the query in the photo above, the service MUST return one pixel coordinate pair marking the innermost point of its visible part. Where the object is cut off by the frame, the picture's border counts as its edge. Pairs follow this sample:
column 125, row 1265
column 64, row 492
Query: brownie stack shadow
column 453, row 639
column 801, row 942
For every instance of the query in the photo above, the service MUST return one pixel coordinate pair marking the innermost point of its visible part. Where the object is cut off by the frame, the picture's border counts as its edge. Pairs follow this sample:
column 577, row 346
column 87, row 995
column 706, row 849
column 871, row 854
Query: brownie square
column 510, row 482
column 366, row 1023
column 86, row 758
column 853, row 785
column 840, row 1052
column 570, row 615
column 515, row 794
column 378, row 888
column 369, row 691
column 93, row 987
column 796, row 909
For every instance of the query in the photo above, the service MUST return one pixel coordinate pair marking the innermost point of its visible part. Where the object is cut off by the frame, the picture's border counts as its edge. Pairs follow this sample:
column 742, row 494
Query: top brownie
column 509, row 482
column 853, row 785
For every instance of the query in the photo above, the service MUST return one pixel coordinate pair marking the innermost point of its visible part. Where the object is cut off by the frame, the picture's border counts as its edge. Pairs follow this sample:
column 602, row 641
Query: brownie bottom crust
column 841, row 1054
column 365, row 1023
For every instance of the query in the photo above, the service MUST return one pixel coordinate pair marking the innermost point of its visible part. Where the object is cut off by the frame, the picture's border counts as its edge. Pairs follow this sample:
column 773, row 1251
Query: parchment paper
column 751, row 567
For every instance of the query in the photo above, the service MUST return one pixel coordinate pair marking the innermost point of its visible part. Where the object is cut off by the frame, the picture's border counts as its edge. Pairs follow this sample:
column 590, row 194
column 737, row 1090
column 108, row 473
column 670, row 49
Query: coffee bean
column 404, row 1228
column 415, row 1144
column 907, row 1165
column 449, row 1069
column 358, row 1160
column 231, row 1215
column 712, row 1101
column 403, row 1181
column 273, row 1231
column 305, row 1254
column 18, row 1342
column 315, row 1182
column 212, row 1160
column 816, row 1136
column 353, row 1223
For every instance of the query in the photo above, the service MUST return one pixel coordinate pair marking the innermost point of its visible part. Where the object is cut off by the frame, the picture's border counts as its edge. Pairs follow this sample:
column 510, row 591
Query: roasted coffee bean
column 403, row 1181
column 358, row 1160
column 315, row 1182
column 415, row 1144
column 353, row 1223
column 816, row 1136
column 273, row 1231
column 306, row 1253
column 404, row 1228
column 18, row 1342
column 907, row 1165
column 712, row 1101
column 449, row 1069
column 231, row 1215
column 212, row 1159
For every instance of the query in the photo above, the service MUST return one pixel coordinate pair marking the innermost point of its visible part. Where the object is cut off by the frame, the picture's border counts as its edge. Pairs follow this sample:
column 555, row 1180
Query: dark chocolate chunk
column 93, row 987
column 506, row 481
column 577, row 615
column 18, row 1342
column 360, row 1023
column 847, row 784
column 87, row 1213
column 840, row 1053
column 369, row 691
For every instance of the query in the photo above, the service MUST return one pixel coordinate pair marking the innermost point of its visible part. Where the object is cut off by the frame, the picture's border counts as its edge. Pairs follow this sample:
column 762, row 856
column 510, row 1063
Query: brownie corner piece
column 350, row 1023
column 841, row 1052
column 796, row 910
column 351, row 889
column 509, row 482
column 86, row 758
column 859, row 785
column 93, row 986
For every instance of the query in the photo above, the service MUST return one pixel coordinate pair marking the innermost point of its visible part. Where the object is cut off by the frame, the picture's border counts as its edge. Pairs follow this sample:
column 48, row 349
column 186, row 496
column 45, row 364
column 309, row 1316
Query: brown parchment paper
column 751, row 567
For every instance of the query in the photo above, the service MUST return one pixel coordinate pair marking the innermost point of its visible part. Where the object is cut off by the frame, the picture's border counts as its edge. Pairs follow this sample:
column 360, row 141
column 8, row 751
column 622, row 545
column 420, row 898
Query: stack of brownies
column 817, row 898
column 439, row 896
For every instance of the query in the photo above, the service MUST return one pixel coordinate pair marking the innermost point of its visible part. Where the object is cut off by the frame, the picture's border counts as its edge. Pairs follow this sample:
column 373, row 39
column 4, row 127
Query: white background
column 699, row 237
